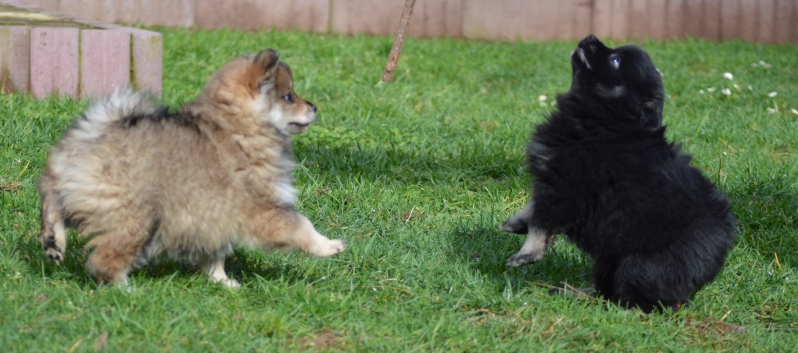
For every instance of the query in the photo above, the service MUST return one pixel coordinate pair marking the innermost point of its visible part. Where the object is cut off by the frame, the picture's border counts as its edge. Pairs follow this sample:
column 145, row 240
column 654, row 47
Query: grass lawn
column 417, row 175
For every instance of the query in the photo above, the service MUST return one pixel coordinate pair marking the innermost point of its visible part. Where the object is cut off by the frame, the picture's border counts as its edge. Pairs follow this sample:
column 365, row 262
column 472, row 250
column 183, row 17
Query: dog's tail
column 121, row 105
column 53, row 233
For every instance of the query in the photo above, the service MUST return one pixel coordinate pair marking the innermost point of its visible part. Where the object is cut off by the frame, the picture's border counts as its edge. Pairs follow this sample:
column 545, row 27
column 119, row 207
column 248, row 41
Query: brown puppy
column 142, row 181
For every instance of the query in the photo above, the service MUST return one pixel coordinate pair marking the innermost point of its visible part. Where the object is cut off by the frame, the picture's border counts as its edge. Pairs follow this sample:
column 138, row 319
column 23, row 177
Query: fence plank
column 638, row 19
column 54, row 61
column 765, row 21
column 693, row 18
column 711, row 22
column 602, row 18
column 748, row 20
column 675, row 19
column 783, row 23
column 620, row 19
column 437, row 18
column 583, row 18
column 730, row 19
column 15, row 59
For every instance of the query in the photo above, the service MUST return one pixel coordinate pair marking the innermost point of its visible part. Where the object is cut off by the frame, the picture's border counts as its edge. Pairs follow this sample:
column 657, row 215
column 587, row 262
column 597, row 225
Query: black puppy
column 605, row 176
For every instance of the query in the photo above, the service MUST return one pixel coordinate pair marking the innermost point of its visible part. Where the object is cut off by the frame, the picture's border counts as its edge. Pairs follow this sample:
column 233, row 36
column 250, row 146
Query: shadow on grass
column 469, row 162
column 767, row 210
column 485, row 248
column 244, row 265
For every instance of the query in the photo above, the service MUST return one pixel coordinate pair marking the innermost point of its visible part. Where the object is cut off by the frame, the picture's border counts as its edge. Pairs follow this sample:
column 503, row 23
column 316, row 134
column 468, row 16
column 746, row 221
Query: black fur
column 605, row 176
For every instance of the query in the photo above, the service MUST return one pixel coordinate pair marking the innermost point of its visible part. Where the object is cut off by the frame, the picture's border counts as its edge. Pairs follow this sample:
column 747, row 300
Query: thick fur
column 142, row 181
column 605, row 176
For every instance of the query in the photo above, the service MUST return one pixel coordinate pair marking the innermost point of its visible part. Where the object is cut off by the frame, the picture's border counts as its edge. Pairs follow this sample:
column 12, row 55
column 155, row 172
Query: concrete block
column 104, row 62
column 15, row 59
column 54, row 61
column 146, row 59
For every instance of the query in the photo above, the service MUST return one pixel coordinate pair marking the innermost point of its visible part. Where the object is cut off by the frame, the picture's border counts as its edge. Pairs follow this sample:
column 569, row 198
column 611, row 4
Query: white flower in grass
column 736, row 87
column 773, row 94
column 728, row 76
column 772, row 110
column 750, row 88
column 794, row 111
column 542, row 98
column 726, row 91
column 711, row 89
column 701, row 91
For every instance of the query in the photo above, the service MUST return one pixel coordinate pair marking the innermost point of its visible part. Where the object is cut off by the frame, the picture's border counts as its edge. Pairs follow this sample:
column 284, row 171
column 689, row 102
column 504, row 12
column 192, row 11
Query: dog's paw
column 329, row 248
column 227, row 282
column 523, row 259
column 515, row 225
column 55, row 254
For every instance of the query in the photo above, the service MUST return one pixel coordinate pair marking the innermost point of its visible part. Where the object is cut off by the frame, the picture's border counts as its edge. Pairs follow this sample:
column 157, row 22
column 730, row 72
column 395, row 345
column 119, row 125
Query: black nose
column 312, row 106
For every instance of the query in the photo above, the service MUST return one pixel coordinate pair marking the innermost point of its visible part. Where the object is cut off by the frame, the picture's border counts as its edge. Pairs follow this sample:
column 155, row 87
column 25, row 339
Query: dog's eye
column 615, row 60
column 289, row 98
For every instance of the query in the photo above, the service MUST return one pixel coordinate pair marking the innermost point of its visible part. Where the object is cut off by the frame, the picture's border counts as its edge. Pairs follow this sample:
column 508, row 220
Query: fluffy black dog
column 605, row 176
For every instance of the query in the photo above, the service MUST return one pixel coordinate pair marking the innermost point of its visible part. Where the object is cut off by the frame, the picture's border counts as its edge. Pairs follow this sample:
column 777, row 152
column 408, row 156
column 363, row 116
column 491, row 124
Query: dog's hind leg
column 115, row 252
column 288, row 229
column 215, row 270
column 519, row 224
column 53, row 232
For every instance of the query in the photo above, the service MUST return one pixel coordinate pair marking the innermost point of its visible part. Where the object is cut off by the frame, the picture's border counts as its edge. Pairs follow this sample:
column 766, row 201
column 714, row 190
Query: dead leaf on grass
column 101, row 342
column 12, row 186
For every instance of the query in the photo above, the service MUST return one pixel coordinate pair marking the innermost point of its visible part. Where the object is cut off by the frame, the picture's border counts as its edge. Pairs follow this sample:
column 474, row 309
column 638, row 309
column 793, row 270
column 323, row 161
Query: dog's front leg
column 534, row 248
column 519, row 224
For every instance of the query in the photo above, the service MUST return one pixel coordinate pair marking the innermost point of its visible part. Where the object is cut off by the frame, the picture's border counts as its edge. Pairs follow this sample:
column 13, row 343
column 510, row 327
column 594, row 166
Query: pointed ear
column 267, row 61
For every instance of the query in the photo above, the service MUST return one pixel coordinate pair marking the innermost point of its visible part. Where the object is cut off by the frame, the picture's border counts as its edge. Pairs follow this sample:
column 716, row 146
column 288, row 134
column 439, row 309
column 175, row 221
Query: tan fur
column 194, row 184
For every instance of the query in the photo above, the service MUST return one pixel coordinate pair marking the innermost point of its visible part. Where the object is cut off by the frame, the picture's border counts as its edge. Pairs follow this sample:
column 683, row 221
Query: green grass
column 416, row 175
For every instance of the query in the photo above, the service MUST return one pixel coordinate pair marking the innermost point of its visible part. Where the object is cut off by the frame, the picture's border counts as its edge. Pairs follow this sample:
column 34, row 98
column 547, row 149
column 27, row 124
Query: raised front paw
column 515, row 225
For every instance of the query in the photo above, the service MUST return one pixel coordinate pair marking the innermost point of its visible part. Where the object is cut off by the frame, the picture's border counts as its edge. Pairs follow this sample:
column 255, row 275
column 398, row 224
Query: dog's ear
column 267, row 61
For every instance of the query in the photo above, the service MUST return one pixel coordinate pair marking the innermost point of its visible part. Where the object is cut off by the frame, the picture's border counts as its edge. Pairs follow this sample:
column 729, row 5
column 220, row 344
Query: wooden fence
column 765, row 21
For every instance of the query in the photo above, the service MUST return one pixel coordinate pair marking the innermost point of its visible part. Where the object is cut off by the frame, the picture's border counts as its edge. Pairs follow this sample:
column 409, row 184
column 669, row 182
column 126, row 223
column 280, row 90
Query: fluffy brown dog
column 192, row 184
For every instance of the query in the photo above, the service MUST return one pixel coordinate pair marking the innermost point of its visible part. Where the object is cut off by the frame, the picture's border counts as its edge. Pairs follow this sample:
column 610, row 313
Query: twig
column 411, row 214
column 398, row 41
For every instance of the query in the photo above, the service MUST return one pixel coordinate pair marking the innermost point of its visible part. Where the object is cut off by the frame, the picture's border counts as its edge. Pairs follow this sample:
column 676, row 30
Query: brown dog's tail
column 53, row 234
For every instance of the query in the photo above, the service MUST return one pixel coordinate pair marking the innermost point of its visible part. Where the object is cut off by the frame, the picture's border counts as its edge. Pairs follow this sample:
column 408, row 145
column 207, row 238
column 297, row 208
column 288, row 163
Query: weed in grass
column 416, row 176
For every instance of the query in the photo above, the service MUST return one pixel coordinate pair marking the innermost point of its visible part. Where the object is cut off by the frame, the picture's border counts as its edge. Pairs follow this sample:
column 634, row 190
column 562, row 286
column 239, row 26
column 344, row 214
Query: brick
column 146, row 59
column 54, row 61
column 15, row 59
column 104, row 62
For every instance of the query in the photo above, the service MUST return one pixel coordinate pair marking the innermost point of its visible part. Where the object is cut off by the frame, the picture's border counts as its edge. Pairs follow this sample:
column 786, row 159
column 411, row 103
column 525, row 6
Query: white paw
column 228, row 282
column 329, row 247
